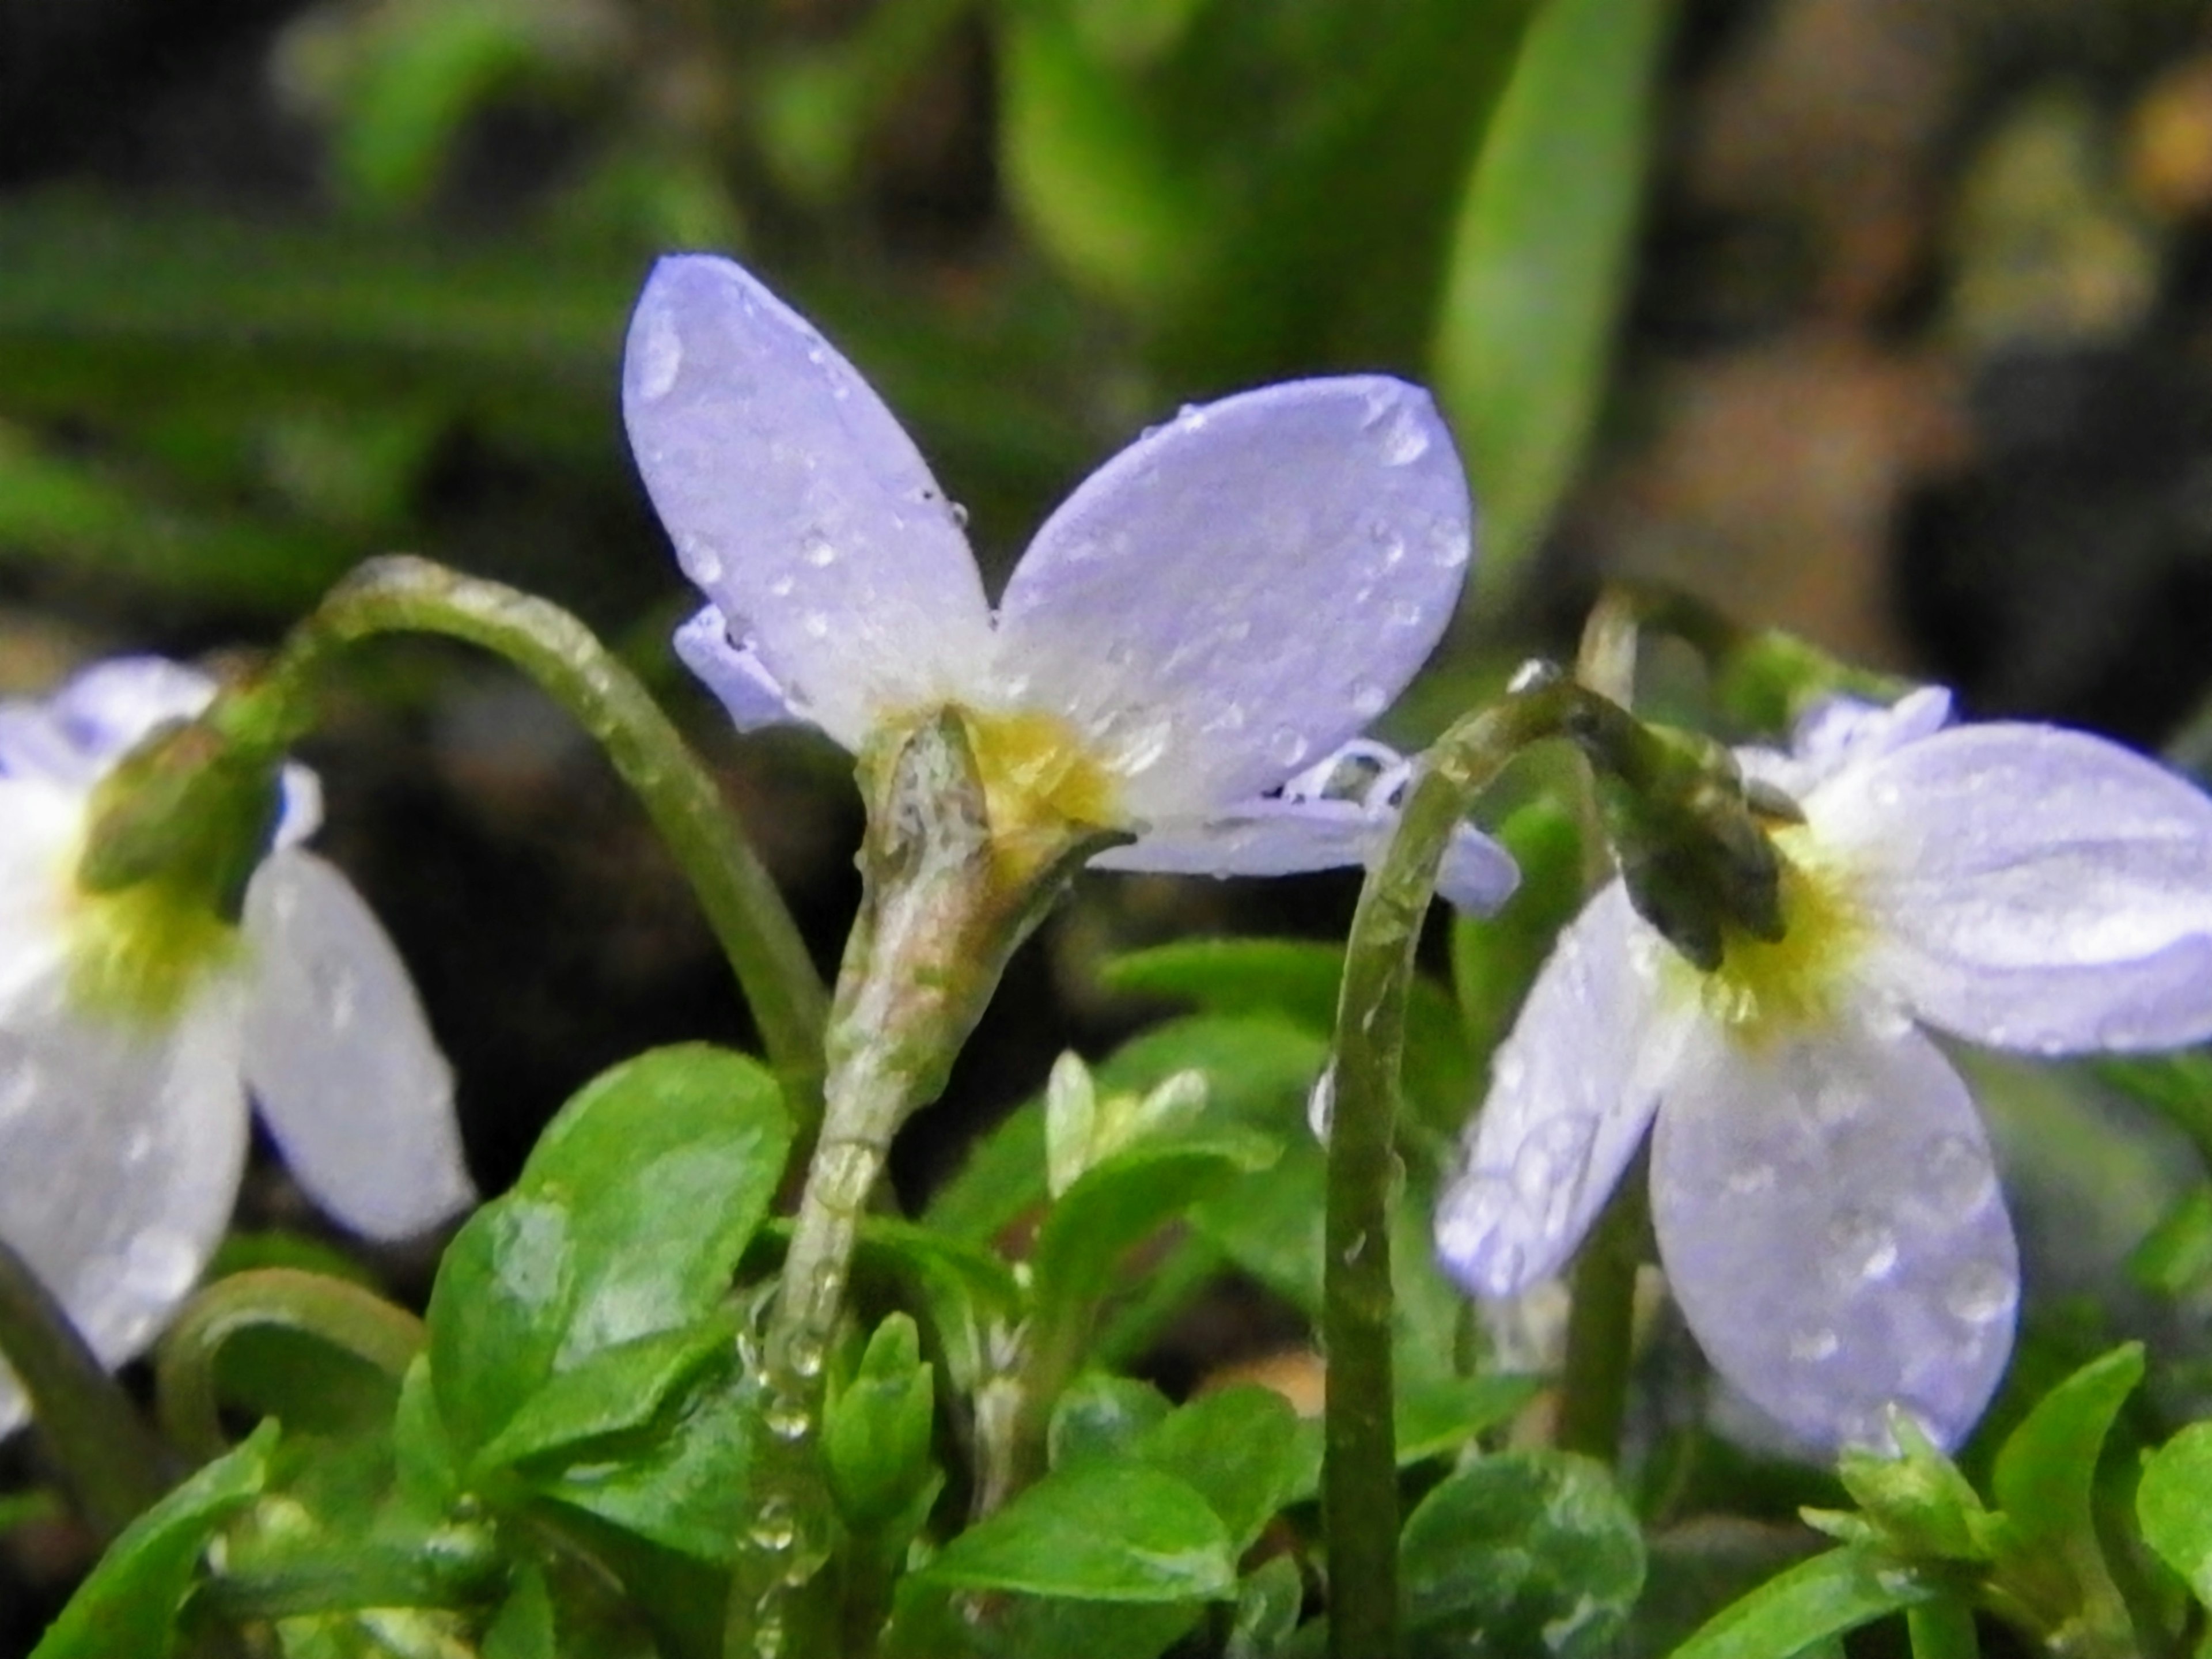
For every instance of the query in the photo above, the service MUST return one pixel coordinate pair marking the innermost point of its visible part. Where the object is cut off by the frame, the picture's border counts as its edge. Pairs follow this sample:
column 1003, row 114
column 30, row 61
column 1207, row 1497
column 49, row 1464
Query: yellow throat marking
column 1764, row 988
column 137, row 955
column 1039, row 782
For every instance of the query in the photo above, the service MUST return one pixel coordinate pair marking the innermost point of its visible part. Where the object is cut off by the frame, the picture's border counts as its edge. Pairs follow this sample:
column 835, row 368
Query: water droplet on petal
column 1320, row 1103
column 781, row 586
column 1809, row 1347
column 787, row 1418
column 659, row 356
column 1749, row 1177
column 1509, row 1071
column 1404, row 439
column 1368, row 699
column 699, row 558
column 1864, row 1248
column 1191, row 418
column 1451, row 547
column 1956, row 1177
column 1287, row 747
column 160, row 1266
column 1406, row 613
column 815, row 548
column 1979, row 1293
column 817, row 625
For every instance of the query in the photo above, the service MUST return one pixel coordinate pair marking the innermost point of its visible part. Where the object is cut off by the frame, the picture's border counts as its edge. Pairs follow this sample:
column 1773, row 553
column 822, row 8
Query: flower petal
column 1272, row 837
column 1571, row 1092
column 734, row 673
column 797, row 501
column 1844, row 732
column 120, row 1155
column 2032, row 888
column 1243, row 588
column 340, row 1059
column 1829, row 1218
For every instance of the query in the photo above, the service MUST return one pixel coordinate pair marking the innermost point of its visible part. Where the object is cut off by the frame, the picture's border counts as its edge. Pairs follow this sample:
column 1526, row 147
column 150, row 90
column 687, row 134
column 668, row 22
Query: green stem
column 344, row 1315
column 1360, row 1488
column 940, row 912
column 110, row 1465
column 404, row 594
column 1600, row 1329
column 1942, row 1629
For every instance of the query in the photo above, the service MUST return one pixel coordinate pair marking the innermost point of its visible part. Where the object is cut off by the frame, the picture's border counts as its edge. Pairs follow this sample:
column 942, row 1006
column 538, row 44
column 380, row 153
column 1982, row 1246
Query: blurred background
column 1887, row 320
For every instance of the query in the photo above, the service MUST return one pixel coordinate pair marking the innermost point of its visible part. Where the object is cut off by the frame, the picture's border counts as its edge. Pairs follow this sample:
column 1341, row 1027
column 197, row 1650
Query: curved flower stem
column 941, row 910
column 111, row 1464
column 1359, row 1487
column 400, row 594
column 344, row 1315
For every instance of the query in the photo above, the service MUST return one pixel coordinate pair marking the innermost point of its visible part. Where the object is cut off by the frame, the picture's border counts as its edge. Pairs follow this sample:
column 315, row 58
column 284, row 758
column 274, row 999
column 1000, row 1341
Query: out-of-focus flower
column 1826, row 1208
column 1183, row 652
column 134, row 1022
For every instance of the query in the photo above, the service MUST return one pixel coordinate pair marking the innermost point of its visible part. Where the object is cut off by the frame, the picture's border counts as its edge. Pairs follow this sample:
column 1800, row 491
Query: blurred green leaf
column 1100, row 1418
column 1811, row 1602
column 2175, row 1258
column 1268, row 1603
column 1238, row 1446
column 523, row 1627
column 1540, row 262
column 1523, row 1552
column 628, row 1221
column 2175, row 1504
column 968, row 1291
column 129, row 1603
column 817, row 108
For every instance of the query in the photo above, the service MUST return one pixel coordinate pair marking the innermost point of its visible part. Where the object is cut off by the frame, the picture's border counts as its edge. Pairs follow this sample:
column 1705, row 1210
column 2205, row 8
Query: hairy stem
column 401, row 595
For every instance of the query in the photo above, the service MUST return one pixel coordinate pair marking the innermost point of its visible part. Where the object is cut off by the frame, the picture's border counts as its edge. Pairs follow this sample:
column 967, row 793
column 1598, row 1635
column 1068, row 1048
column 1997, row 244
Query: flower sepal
column 1686, row 831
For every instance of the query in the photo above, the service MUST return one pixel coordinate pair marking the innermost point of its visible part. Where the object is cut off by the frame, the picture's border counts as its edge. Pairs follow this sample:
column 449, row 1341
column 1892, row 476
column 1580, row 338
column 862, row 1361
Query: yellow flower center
column 1766, row 988
column 1039, row 782
column 137, row 955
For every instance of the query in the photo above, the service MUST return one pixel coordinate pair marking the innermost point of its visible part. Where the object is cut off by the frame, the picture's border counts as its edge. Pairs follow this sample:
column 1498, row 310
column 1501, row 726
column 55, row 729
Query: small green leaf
column 1239, row 1447
column 1811, row 1603
column 523, row 1627
column 682, row 1483
column 1540, row 258
column 1098, row 1532
column 2175, row 1504
column 1268, row 1603
column 1524, row 1553
column 2047, row 1468
column 1918, row 1503
column 129, row 1605
column 616, row 1388
column 2175, row 1258
column 1122, row 1201
column 429, row 1475
column 1101, row 1418
column 968, row 1291
column 628, row 1221
column 876, row 1431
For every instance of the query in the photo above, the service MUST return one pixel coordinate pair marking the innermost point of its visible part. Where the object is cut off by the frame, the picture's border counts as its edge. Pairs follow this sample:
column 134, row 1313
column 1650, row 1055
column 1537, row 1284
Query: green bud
column 1083, row 1129
column 1917, row 1504
column 877, row 1432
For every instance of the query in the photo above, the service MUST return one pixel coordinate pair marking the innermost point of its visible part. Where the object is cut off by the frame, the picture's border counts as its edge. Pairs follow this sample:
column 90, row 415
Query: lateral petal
column 797, row 501
column 1241, row 589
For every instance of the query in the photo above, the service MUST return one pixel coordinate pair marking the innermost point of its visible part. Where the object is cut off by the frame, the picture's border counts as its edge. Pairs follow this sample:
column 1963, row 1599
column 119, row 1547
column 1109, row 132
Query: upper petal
column 120, row 1153
column 1273, row 837
column 1241, row 590
column 797, row 501
column 734, row 673
column 1571, row 1092
column 340, row 1059
column 2030, row 887
column 1831, row 1223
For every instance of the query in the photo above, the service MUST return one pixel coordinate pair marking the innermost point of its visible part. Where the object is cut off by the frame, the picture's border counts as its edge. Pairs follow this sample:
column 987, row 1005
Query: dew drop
column 804, row 1358
column 957, row 513
column 815, row 548
column 1237, row 630
column 1406, row 613
column 781, row 586
column 768, row 1639
column 1510, row 1071
column 336, row 988
column 1956, row 1177
column 1404, row 441
column 1536, row 672
column 1810, row 1347
column 160, row 1266
column 1287, row 746
column 699, row 559
column 1191, row 418
column 1368, row 699
column 787, row 1418
column 1865, row 1249
column 1452, row 547
column 660, row 356
column 1120, row 654
column 1320, row 1103
column 773, row 1529
column 1979, row 1293
column 817, row 625
column 1748, row 1178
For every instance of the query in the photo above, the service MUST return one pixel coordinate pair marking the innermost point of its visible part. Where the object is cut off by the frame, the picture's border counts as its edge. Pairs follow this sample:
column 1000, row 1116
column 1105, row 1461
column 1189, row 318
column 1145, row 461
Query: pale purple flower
column 1827, row 1210
column 123, row 1117
column 1185, row 648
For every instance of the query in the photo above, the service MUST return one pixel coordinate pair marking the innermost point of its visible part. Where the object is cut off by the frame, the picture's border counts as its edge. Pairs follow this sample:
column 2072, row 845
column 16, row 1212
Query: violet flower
column 1183, row 653
column 1826, row 1208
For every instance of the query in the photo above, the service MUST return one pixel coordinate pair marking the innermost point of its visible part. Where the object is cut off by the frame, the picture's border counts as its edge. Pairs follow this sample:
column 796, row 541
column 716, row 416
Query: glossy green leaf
column 1268, row 1603
column 129, row 1603
column 1540, row 258
column 2046, row 1470
column 876, row 1431
column 1523, row 1552
column 608, row 1392
column 1098, row 1532
column 967, row 1291
column 628, row 1221
column 2174, row 1505
column 1811, row 1602
column 426, row 1467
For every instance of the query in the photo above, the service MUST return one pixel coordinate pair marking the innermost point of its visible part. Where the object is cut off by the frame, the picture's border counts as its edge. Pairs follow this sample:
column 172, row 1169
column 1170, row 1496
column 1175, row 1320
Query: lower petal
column 1829, row 1216
column 120, row 1154
column 340, row 1059
column 1275, row 837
